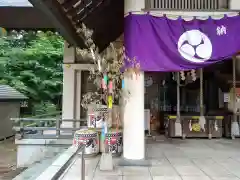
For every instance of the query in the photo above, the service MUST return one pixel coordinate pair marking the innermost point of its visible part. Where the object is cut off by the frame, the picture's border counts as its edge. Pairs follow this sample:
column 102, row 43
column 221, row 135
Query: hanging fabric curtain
column 163, row 44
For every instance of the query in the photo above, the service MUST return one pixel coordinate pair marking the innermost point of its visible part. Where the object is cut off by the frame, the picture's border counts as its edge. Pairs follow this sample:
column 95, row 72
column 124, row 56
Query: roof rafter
column 105, row 17
column 55, row 11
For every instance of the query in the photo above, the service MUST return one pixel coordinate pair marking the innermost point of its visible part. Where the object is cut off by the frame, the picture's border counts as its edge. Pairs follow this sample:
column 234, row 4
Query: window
column 187, row 4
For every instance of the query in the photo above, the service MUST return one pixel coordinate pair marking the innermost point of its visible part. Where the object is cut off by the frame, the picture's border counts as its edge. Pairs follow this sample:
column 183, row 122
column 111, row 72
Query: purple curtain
column 162, row 44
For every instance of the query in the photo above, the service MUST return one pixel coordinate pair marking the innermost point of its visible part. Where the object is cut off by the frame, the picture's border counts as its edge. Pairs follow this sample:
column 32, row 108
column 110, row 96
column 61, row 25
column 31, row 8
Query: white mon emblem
column 195, row 46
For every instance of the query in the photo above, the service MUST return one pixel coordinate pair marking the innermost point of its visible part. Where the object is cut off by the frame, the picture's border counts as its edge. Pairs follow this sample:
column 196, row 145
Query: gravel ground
column 8, row 159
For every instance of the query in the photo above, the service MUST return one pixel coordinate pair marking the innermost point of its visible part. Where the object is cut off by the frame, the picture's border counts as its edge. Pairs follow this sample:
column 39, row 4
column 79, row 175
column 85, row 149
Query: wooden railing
column 187, row 4
column 46, row 128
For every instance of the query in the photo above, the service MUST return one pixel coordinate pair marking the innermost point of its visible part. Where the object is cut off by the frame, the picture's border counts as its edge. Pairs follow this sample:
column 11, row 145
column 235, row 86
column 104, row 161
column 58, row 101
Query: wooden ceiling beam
column 73, row 11
column 79, row 18
column 76, row 11
column 54, row 10
column 105, row 17
column 86, row 9
column 67, row 4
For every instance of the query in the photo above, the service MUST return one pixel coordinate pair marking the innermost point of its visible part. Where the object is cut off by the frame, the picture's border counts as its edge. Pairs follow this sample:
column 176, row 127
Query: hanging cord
column 201, row 93
column 178, row 97
column 234, row 90
column 164, row 96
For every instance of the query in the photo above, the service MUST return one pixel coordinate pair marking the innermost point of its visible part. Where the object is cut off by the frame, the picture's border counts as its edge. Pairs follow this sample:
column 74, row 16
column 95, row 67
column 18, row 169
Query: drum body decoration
column 114, row 142
column 89, row 138
column 97, row 116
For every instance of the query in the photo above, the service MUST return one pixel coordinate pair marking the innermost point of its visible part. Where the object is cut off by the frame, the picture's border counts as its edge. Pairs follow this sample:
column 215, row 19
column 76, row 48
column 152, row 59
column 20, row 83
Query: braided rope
column 201, row 93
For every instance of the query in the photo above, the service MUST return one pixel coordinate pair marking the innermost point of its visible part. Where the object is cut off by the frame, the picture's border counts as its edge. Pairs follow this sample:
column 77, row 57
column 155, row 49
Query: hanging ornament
column 105, row 79
column 216, row 125
column 104, row 85
column 193, row 75
column 110, row 102
column 123, row 84
column 182, row 74
column 103, row 132
column 163, row 82
column 196, row 127
column 99, row 65
column 110, row 87
column 68, row 65
column 173, row 76
column 190, row 125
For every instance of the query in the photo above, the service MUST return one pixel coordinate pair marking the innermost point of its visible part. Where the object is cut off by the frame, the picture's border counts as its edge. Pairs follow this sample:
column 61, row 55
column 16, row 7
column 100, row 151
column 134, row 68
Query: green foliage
column 31, row 62
column 44, row 108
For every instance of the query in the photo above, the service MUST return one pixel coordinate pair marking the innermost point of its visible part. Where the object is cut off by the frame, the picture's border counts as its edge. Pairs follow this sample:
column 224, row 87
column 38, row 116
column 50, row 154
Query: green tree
column 31, row 62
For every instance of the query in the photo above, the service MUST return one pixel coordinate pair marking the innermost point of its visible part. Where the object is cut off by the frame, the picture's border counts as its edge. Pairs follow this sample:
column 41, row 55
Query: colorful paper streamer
column 110, row 102
column 105, row 79
column 104, row 86
column 103, row 132
column 105, row 127
column 110, row 87
column 123, row 84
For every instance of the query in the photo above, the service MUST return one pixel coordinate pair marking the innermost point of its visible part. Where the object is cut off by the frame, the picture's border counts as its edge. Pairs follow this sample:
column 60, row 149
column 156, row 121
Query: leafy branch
column 110, row 63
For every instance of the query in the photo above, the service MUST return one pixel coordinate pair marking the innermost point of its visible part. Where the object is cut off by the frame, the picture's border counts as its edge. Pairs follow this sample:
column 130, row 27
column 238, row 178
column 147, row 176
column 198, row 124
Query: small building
column 10, row 103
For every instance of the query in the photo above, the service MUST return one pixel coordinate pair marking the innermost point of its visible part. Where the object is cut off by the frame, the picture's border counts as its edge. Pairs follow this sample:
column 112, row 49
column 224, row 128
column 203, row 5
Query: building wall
column 139, row 5
column 87, row 86
column 234, row 4
column 8, row 110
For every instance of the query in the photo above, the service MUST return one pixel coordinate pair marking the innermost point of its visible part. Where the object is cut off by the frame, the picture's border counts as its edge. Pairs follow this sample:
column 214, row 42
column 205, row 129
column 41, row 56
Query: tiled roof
column 9, row 93
column 15, row 3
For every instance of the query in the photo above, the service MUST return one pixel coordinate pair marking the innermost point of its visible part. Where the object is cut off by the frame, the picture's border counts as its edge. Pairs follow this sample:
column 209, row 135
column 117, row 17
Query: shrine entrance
column 195, row 103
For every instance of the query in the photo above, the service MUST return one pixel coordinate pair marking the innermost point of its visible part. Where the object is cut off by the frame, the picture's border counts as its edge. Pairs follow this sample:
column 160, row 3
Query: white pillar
column 69, row 86
column 133, row 119
column 78, row 96
column 133, row 122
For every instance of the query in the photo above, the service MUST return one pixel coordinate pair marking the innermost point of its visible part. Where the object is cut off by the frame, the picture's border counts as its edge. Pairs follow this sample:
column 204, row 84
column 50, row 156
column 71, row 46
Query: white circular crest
column 195, row 46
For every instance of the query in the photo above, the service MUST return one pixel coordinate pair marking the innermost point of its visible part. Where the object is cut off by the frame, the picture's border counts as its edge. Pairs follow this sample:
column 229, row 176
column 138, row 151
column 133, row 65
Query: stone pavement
column 172, row 160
